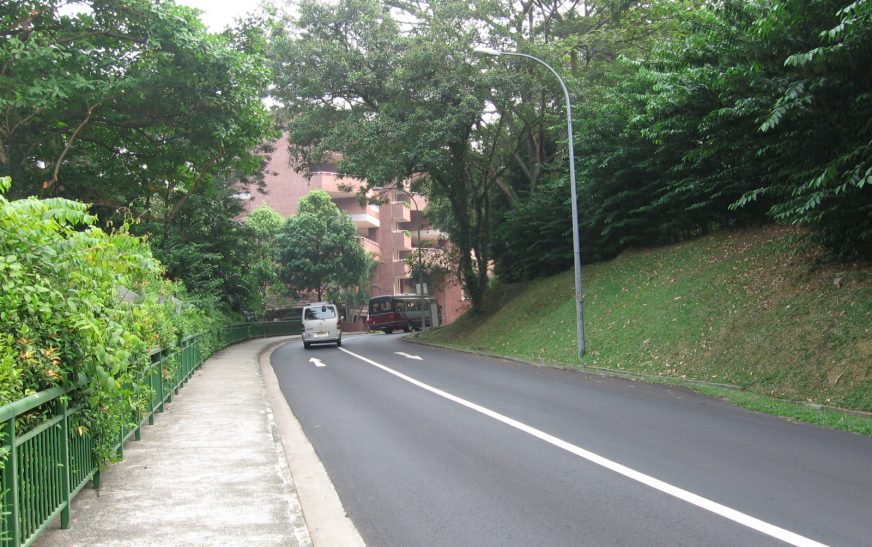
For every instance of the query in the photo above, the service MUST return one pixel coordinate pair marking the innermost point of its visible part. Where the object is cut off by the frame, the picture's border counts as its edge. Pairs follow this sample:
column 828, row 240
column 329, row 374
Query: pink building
column 390, row 231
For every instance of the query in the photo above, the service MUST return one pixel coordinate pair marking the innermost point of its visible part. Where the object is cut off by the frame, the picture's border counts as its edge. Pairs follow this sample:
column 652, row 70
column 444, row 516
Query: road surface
column 434, row 447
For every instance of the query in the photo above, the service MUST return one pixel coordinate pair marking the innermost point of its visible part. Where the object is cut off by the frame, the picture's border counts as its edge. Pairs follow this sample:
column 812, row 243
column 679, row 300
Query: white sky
column 218, row 14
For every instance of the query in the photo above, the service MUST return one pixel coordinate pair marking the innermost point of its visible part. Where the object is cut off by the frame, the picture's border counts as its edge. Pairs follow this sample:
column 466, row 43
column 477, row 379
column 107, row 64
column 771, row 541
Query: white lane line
column 736, row 516
column 417, row 357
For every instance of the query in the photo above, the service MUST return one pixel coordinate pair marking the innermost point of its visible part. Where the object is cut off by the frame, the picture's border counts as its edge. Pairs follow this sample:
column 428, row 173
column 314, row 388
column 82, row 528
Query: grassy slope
column 750, row 308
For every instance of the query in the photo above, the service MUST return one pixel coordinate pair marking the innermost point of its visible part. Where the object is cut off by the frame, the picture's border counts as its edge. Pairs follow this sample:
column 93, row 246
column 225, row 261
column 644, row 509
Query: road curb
column 325, row 517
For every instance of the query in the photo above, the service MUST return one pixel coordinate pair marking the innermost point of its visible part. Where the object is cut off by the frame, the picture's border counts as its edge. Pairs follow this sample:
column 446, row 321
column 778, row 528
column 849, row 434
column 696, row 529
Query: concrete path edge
column 325, row 517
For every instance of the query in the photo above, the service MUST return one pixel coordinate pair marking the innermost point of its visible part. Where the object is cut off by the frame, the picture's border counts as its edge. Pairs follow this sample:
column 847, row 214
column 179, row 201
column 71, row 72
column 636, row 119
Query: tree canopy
column 133, row 107
column 319, row 249
column 266, row 223
column 689, row 116
column 741, row 112
column 396, row 90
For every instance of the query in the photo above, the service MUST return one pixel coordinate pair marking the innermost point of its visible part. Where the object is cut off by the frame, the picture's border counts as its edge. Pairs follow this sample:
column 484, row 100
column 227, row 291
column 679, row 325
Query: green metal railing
column 45, row 467
column 247, row 331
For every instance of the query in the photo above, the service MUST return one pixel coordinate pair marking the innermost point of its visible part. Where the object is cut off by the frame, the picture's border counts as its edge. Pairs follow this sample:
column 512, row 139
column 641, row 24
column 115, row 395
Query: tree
column 319, row 249
column 818, row 139
column 125, row 100
column 594, row 46
column 133, row 107
column 754, row 110
column 207, row 248
column 266, row 223
column 398, row 100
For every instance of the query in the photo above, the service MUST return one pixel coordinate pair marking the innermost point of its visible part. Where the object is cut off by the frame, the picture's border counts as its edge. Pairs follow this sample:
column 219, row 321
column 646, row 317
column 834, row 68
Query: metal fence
column 45, row 466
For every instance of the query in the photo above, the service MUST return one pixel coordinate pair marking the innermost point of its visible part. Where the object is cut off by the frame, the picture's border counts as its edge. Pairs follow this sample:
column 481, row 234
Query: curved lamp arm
column 576, row 237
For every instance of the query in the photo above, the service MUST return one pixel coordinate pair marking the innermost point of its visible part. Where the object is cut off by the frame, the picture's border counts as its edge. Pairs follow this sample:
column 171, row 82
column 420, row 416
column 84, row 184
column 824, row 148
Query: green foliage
column 104, row 115
column 133, row 107
column 10, row 381
column 818, row 131
column 266, row 223
column 742, row 113
column 394, row 103
column 734, row 125
column 319, row 249
column 207, row 249
column 81, row 307
column 541, row 217
column 399, row 100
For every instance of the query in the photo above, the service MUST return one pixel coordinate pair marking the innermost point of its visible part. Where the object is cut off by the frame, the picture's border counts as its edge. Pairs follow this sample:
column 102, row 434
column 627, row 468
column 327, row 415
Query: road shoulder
column 322, row 509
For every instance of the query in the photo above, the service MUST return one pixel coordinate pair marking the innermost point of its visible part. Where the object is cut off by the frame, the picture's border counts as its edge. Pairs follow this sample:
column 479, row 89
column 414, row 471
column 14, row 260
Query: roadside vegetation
column 81, row 308
column 689, row 117
column 758, row 309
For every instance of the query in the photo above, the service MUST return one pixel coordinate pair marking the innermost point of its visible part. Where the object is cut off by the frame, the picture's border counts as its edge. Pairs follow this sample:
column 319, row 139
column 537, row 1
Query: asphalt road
column 453, row 449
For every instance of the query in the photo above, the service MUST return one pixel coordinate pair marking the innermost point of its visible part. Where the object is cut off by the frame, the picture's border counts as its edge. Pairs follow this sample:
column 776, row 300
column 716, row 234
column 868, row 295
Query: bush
column 81, row 307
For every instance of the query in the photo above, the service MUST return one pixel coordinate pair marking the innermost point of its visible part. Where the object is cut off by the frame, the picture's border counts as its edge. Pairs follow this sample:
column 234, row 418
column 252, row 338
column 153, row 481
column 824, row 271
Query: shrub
column 81, row 307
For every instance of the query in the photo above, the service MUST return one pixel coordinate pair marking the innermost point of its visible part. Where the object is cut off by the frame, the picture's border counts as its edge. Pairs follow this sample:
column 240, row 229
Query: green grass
column 756, row 309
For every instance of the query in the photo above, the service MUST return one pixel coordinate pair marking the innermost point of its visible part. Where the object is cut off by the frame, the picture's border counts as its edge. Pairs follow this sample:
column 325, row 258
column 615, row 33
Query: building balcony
column 334, row 185
column 363, row 216
column 400, row 212
column 364, row 220
column 402, row 240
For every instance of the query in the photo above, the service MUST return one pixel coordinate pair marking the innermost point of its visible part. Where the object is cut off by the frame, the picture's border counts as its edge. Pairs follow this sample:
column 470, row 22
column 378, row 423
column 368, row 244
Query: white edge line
column 736, row 516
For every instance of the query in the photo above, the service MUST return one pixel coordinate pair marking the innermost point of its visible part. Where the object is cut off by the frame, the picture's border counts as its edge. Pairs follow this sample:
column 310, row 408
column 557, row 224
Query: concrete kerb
column 325, row 517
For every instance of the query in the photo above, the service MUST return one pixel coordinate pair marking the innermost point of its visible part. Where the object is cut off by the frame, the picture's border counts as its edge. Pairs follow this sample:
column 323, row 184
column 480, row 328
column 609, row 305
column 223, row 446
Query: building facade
column 391, row 231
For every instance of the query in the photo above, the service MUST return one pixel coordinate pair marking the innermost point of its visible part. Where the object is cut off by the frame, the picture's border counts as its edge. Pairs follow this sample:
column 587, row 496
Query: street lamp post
column 576, row 237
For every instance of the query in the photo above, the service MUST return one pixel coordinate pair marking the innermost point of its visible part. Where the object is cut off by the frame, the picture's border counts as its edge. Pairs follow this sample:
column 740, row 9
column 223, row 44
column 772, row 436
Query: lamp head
column 486, row 51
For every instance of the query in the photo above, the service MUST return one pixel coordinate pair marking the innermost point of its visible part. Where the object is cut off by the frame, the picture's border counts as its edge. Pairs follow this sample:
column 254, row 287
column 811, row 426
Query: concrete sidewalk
column 212, row 470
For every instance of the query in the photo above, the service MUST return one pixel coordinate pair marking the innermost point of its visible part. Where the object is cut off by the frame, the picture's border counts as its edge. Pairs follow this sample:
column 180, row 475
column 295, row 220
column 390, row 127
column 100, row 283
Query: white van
column 321, row 324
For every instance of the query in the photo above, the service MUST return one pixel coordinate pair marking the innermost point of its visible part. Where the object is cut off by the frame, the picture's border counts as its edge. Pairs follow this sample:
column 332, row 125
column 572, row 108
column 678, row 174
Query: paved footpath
column 212, row 470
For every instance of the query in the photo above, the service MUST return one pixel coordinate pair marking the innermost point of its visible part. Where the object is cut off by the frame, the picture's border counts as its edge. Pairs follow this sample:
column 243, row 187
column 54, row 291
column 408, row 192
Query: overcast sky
column 218, row 14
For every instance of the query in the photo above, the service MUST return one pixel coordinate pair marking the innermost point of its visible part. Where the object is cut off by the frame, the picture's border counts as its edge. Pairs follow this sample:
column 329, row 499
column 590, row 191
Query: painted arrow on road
column 317, row 362
column 409, row 356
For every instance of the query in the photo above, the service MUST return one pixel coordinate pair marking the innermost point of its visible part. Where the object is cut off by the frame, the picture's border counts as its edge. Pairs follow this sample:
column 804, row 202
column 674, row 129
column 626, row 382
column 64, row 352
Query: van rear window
column 325, row 312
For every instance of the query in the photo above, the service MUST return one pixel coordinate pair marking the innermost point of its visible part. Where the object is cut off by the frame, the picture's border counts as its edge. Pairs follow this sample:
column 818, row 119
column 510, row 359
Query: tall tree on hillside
column 817, row 130
column 591, row 44
column 319, row 249
column 394, row 88
column 397, row 99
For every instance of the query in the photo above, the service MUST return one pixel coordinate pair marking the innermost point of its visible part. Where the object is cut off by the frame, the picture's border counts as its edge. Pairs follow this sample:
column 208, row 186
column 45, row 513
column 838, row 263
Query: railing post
column 160, row 380
column 65, row 448
column 10, row 481
column 171, row 385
